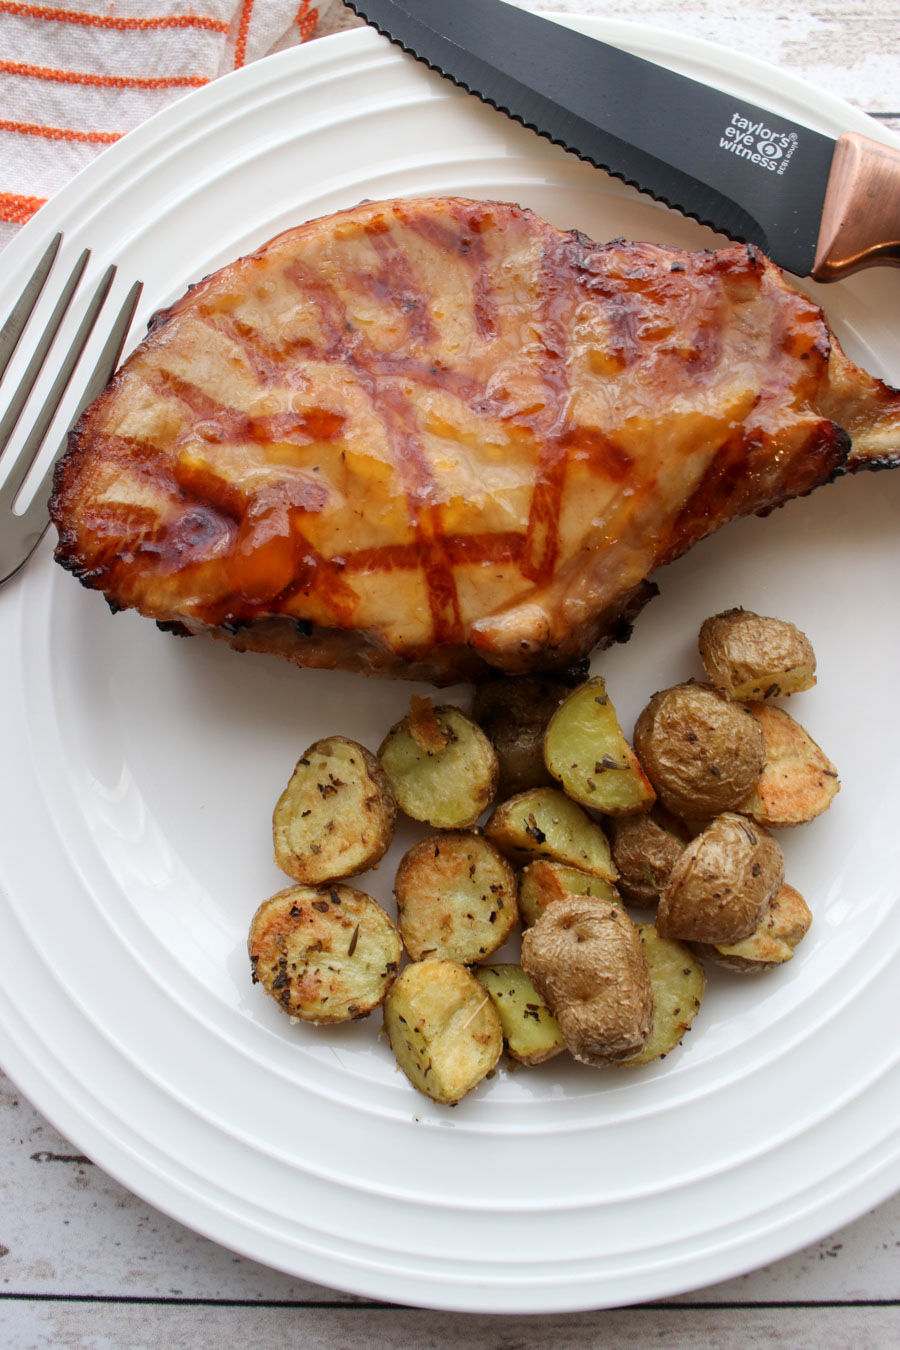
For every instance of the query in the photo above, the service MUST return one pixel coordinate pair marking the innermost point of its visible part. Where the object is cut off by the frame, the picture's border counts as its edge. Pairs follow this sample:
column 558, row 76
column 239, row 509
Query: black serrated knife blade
column 817, row 206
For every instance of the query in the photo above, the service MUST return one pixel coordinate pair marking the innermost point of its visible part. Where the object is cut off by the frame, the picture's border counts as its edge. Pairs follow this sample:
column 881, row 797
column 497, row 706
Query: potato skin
column 585, row 959
column 645, row 849
column 456, row 897
column 750, row 656
column 701, row 752
column 336, row 816
column 443, row 1028
column 513, row 713
column 325, row 954
column 785, row 922
column 719, row 887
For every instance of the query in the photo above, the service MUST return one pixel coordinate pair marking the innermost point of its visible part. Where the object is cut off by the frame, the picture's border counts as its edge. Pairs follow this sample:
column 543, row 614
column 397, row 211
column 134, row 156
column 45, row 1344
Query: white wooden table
column 85, row 1264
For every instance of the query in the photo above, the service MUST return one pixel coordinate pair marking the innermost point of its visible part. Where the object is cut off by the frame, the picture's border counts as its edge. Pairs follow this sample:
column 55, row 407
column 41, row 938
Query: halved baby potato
column 542, row 882
column 513, row 712
column 443, row 1028
column 798, row 781
column 786, row 922
column 456, row 897
column 544, row 823
column 530, row 1030
column 586, row 751
column 749, row 655
column 442, row 767
column 700, row 751
column 677, row 980
column 645, row 848
column 336, row 816
column 586, row 960
column 719, row 887
column 325, row 954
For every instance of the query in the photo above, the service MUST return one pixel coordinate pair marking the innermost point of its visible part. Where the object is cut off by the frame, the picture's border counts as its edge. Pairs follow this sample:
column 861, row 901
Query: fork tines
column 20, row 533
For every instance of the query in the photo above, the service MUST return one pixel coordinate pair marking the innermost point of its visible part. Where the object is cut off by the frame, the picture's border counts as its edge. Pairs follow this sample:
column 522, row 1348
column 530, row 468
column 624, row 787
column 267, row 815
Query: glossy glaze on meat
column 434, row 437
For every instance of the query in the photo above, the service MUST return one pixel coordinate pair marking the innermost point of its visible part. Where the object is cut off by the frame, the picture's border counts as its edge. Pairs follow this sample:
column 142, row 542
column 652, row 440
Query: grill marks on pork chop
column 381, row 374
column 344, row 343
column 395, row 283
column 418, row 437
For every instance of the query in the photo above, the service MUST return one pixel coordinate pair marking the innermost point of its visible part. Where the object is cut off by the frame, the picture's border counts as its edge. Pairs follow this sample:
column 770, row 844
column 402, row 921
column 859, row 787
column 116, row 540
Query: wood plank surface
column 67, row 1326
column 83, row 1263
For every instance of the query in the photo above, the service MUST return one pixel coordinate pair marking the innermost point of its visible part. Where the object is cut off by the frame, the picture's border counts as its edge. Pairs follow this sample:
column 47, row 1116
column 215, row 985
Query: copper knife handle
column 861, row 217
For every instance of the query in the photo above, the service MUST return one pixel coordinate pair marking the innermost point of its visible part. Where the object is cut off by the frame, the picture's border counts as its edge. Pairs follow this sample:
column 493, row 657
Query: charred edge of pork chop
column 718, row 495
column 316, row 648
column 867, row 408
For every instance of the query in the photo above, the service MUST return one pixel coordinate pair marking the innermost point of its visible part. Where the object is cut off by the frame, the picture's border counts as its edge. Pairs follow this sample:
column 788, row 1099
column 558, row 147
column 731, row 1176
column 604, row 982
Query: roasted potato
column 513, row 712
column 456, row 897
column 645, row 849
column 530, row 1030
column 543, row 823
column 677, row 979
column 701, row 752
column 442, row 767
column 719, row 887
column 749, row 656
column 542, row 882
column 798, row 782
column 443, row 1028
column 336, row 816
column 785, row 922
column 586, row 752
column 586, row 961
column 325, row 954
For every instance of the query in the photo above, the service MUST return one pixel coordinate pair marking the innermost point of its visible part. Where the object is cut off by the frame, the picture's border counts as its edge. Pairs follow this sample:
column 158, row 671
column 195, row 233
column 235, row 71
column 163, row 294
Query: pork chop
column 435, row 438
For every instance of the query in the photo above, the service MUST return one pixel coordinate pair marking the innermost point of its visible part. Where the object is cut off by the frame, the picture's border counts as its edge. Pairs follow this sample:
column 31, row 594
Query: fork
column 20, row 533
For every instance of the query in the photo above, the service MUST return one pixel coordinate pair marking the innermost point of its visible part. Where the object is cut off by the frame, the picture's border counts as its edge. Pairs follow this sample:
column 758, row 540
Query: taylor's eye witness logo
column 754, row 141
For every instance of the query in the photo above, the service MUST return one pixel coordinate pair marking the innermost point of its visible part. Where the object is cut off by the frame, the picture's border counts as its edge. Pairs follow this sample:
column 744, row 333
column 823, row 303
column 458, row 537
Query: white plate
column 141, row 771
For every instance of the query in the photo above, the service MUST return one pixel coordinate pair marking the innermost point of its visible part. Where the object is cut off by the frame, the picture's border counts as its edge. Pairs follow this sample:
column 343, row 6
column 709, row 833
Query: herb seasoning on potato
column 325, row 954
column 442, row 767
column 456, row 897
column 677, row 980
column 585, row 750
column 443, row 1028
column 530, row 1030
column 336, row 816
column 544, row 823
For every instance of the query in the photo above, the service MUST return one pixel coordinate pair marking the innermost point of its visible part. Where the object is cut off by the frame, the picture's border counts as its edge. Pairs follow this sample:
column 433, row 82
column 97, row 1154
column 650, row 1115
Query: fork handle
column 861, row 217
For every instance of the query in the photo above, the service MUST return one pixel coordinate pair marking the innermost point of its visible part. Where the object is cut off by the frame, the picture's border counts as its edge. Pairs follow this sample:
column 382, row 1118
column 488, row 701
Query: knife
column 817, row 206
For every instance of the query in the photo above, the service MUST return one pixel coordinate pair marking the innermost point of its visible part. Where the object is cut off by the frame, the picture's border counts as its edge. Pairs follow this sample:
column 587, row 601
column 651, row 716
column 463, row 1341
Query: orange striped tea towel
column 75, row 77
